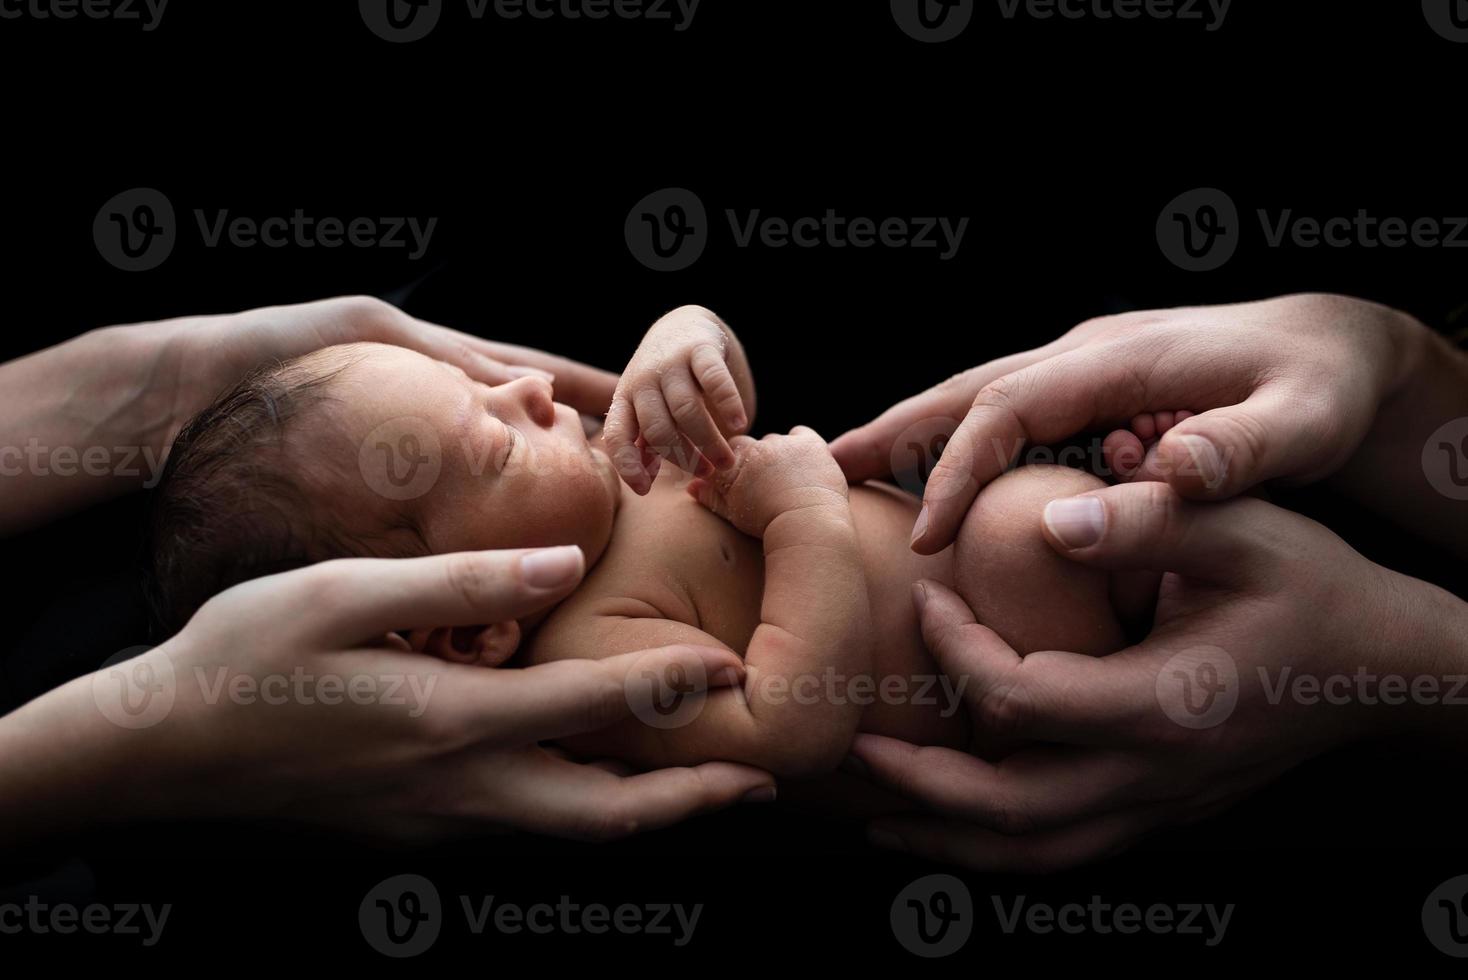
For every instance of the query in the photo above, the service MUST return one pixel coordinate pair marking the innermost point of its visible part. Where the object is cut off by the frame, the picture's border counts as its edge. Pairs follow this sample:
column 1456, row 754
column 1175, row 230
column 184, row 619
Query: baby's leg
column 1017, row 585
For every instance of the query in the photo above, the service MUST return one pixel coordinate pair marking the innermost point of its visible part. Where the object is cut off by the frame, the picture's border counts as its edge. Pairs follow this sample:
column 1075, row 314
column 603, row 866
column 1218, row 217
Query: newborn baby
column 761, row 547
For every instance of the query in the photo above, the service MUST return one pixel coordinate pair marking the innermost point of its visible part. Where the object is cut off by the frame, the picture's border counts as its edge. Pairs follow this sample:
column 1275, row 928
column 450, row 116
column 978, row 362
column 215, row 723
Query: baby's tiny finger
column 718, row 386
column 686, row 403
column 620, row 437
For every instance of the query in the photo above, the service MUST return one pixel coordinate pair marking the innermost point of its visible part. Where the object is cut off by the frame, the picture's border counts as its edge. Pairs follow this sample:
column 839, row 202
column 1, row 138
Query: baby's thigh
column 1016, row 584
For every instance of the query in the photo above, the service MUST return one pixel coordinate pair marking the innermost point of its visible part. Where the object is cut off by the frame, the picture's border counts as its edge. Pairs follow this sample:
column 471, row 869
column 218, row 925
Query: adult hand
column 216, row 351
column 1274, row 641
column 288, row 696
column 1285, row 388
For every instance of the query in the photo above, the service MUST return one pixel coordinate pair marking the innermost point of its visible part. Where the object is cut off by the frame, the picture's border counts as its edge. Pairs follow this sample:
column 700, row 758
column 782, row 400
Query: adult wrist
column 1420, row 641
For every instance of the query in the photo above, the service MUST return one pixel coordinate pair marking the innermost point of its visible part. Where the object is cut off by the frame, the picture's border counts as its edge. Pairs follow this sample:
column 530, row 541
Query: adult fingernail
column 887, row 839
column 738, row 422
column 520, row 371
column 921, row 527
column 760, row 794
column 1206, row 461
column 854, row 766
column 1076, row 522
column 551, row 567
column 919, row 596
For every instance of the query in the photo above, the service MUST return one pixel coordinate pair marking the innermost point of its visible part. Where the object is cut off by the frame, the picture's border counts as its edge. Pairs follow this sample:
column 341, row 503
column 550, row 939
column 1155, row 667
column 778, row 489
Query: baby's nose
column 537, row 398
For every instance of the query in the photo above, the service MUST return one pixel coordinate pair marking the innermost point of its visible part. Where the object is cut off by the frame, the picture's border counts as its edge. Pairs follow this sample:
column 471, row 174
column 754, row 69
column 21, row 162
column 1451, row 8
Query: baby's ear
column 484, row 646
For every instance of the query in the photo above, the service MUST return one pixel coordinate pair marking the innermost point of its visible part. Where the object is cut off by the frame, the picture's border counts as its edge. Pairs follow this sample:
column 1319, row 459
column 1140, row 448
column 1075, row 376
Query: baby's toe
column 1123, row 453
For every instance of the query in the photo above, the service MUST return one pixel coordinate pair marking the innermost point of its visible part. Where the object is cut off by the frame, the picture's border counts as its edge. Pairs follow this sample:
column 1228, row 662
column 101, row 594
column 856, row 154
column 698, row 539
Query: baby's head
column 369, row 450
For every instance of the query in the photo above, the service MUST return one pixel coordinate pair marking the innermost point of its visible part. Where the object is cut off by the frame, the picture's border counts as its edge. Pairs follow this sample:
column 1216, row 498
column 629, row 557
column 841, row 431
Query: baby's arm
column 793, row 716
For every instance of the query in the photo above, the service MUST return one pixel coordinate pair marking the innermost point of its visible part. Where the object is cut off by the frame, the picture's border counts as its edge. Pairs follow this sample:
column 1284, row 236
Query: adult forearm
column 1424, row 641
column 1396, row 472
column 84, row 421
column 64, row 767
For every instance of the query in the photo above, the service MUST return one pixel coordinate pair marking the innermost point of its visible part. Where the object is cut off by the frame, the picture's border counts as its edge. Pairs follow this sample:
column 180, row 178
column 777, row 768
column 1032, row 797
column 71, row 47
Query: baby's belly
column 913, row 700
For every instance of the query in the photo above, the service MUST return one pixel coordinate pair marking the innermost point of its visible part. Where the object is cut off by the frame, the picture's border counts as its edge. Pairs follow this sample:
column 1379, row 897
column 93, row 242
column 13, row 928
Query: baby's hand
column 678, row 400
column 773, row 476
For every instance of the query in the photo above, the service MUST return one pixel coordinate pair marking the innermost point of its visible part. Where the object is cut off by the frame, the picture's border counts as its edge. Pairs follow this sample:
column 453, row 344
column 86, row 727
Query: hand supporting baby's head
column 369, row 450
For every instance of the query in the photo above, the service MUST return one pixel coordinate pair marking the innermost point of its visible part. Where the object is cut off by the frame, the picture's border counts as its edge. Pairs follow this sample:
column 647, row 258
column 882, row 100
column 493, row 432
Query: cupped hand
column 362, row 731
column 1282, row 389
column 216, row 351
column 1271, row 644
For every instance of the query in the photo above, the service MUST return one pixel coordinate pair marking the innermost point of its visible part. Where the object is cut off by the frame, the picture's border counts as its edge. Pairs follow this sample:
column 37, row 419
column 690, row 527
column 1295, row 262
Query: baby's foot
column 1130, row 453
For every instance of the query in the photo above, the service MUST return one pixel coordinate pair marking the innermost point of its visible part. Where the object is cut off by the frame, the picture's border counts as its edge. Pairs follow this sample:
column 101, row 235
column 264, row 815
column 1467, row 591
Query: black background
column 530, row 141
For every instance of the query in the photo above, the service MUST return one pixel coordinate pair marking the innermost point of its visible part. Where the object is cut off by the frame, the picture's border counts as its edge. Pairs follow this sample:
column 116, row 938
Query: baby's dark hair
column 243, row 494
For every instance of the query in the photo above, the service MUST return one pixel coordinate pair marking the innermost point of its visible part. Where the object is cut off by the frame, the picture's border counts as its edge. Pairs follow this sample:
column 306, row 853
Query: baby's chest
column 666, row 543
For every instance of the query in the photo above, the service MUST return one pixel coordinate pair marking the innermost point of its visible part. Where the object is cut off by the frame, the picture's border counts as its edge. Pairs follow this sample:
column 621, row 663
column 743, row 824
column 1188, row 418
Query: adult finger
column 1225, row 451
column 957, row 843
column 1100, row 385
column 865, row 453
column 1047, row 695
column 571, row 697
column 555, row 796
column 353, row 600
column 585, row 388
column 1034, row 789
column 1149, row 526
